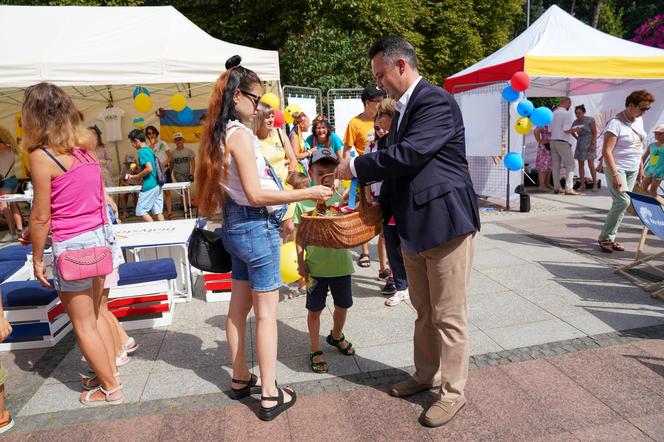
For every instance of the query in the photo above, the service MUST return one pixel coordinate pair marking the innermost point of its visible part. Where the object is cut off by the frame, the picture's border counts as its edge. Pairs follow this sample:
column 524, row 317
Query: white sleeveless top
column 233, row 185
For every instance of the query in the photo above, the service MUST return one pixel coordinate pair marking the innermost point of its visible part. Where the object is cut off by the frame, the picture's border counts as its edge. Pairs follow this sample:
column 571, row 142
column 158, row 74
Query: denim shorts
column 150, row 201
column 251, row 237
column 92, row 238
column 10, row 183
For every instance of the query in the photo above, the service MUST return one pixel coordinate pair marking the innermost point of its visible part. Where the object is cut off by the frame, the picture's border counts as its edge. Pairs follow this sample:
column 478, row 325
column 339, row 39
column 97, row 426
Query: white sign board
column 344, row 111
column 308, row 105
column 482, row 120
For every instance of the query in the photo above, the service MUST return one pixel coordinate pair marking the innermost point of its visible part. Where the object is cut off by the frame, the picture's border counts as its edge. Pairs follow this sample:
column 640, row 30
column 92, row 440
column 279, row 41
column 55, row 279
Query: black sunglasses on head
column 255, row 98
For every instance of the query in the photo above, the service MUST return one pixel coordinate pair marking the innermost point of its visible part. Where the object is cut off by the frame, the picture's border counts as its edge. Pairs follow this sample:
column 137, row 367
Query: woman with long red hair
column 234, row 177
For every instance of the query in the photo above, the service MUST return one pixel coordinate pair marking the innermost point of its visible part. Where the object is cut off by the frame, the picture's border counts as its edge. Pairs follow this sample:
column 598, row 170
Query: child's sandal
column 317, row 366
column 348, row 350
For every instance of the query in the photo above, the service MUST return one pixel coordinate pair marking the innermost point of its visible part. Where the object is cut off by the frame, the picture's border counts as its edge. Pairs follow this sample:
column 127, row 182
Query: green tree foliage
column 326, row 58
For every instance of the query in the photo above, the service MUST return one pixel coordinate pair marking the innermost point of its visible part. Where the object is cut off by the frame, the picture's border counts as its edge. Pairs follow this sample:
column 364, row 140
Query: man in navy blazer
column 428, row 190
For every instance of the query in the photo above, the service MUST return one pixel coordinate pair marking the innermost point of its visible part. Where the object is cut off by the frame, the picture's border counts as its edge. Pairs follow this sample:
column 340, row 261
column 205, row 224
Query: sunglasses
column 255, row 98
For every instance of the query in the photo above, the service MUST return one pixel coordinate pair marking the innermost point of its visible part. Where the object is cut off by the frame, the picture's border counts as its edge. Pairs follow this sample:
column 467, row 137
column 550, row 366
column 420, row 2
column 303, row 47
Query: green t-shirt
column 145, row 156
column 323, row 262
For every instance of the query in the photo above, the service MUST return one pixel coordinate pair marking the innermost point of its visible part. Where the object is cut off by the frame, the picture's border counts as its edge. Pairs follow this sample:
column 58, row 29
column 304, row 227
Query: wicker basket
column 342, row 231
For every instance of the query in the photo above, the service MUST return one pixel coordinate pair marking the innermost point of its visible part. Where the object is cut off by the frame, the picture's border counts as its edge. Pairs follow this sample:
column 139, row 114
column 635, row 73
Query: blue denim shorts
column 92, row 238
column 150, row 201
column 251, row 237
column 10, row 183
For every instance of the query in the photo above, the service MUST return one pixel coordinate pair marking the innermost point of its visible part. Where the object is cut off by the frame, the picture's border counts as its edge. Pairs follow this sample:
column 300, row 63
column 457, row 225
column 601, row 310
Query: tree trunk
column 598, row 7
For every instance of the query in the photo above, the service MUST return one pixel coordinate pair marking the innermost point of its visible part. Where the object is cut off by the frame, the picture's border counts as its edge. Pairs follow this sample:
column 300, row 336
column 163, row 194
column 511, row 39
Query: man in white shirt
column 561, row 147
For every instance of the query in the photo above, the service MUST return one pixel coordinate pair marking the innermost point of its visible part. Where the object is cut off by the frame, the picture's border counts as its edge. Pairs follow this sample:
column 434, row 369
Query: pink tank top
column 77, row 199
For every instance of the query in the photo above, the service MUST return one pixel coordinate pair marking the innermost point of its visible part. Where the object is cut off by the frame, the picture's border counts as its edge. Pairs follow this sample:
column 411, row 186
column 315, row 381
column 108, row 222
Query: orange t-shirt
column 359, row 134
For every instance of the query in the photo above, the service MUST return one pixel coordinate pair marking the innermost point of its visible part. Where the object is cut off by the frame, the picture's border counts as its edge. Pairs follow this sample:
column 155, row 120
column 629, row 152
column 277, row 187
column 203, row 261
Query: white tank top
column 233, row 185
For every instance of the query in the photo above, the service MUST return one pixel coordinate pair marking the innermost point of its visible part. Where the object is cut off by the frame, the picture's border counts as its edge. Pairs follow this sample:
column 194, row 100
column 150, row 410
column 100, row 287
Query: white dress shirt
column 562, row 121
column 399, row 106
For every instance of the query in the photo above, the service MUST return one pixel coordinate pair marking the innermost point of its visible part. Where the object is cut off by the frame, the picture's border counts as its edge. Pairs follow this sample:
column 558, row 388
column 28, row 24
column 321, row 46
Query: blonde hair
column 6, row 137
column 297, row 180
column 386, row 107
column 263, row 111
column 51, row 119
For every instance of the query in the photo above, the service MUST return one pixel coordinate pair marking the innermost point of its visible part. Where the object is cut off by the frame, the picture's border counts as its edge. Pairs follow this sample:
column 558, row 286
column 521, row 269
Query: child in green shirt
column 324, row 268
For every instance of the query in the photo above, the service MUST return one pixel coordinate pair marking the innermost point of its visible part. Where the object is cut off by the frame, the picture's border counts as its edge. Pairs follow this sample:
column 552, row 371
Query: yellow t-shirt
column 273, row 151
column 359, row 134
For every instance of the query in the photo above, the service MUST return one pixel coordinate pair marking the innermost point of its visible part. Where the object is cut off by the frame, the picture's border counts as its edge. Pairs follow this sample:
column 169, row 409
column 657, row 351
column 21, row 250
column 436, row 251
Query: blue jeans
column 251, row 237
column 394, row 257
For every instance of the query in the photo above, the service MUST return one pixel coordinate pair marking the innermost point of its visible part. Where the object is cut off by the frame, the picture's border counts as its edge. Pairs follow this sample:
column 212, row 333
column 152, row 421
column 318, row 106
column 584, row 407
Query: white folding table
column 182, row 188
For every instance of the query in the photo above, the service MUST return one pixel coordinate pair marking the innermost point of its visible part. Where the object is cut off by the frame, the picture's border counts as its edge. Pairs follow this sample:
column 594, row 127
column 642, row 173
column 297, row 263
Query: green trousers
column 620, row 203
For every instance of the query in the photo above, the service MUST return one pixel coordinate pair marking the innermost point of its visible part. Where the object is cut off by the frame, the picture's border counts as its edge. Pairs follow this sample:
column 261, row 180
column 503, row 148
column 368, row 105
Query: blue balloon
column 510, row 94
column 541, row 116
column 140, row 90
column 513, row 161
column 186, row 115
column 525, row 108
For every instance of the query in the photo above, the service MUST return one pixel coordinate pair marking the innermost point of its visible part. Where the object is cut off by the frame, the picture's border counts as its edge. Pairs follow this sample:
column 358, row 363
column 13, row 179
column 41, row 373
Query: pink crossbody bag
column 87, row 263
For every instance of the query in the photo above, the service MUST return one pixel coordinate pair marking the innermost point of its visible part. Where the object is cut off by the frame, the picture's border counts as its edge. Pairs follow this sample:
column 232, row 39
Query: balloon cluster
column 530, row 116
column 142, row 100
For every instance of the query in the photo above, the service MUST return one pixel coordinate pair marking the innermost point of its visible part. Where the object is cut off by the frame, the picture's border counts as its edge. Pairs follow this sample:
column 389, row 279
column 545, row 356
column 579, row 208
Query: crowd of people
column 407, row 151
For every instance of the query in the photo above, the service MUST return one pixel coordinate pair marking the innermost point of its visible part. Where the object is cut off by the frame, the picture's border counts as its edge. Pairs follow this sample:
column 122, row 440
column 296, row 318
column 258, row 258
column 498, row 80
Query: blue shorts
column 10, row 183
column 340, row 286
column 150, row 201
column 251, row 237
column 93, row 238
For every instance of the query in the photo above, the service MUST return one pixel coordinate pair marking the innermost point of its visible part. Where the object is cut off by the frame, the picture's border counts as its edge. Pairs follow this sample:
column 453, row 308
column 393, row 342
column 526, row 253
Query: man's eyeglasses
column 255, row 98
column 644, row 108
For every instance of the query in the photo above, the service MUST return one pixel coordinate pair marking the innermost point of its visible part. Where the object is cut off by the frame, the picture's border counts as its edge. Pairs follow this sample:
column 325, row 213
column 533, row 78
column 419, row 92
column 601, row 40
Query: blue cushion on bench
column 8, row 268
column 146, row 271
column 26, row 293
column 29, row 331
column 16, row 252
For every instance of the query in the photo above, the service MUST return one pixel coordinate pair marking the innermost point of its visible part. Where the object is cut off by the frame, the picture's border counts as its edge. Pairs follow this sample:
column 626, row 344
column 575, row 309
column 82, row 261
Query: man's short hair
column 137, row 134
column 394, row 47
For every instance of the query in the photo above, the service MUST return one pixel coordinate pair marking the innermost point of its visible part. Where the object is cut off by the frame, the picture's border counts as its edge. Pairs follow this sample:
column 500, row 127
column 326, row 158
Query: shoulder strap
column 53, row 158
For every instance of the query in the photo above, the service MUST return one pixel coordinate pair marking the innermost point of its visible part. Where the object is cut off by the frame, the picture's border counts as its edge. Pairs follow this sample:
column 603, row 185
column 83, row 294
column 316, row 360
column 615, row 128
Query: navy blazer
column 426, row 183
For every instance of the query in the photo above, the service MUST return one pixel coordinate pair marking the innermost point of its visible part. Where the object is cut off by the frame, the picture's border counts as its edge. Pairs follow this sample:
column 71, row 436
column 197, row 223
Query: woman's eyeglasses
column 255, row 98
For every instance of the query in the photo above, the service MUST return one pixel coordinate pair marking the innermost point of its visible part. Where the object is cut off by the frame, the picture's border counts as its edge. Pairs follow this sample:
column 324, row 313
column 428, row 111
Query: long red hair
column 221, row 109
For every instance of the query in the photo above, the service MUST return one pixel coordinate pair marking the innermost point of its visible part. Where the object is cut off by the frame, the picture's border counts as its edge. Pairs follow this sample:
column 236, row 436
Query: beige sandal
column 86, row 398
column 86, row 380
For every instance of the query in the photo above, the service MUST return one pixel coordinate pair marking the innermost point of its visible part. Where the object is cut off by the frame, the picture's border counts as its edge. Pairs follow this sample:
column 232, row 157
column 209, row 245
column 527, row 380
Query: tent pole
column 507, row 193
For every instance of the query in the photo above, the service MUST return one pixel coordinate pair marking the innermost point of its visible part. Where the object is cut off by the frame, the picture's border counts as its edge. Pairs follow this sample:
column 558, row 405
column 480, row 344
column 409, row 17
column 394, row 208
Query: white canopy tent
column 563, row 57
column 100, row 54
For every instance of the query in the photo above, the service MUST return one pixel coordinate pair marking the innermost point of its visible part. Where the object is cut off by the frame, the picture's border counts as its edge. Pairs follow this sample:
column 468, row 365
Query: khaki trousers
column 437, row 283
column 561, row 153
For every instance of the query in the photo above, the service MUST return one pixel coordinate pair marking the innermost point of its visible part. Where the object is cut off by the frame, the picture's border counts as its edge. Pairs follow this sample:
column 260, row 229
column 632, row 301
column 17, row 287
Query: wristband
column 615, row 174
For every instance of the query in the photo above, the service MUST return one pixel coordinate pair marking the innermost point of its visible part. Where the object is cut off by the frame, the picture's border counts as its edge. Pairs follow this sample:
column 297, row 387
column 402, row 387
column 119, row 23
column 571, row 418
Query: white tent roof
column 557, row 34
column 73, row 46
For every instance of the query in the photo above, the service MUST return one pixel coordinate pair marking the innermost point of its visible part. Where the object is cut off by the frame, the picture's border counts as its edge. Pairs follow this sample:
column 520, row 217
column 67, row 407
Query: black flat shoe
column 239, row 393
column 269, row 413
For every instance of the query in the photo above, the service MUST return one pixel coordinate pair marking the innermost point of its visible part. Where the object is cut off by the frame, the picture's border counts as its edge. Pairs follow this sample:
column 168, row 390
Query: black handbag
column 206, row 252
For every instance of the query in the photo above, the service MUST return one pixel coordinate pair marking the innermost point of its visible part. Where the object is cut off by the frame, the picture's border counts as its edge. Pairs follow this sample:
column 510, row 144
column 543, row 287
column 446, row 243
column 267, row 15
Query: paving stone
column 533, row 333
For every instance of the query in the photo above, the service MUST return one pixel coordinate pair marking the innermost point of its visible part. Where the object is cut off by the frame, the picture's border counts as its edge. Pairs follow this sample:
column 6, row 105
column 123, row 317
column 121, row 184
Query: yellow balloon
column 290, row 110
column 178, row 102
column 346, row 184
column 288, row 261
column 523, row 125
column 271, row 100
column 143, row 103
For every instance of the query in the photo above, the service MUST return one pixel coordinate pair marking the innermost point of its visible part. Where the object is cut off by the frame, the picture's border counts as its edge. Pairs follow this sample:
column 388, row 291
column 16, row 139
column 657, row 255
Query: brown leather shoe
column 409, row 387
column 442, row 411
